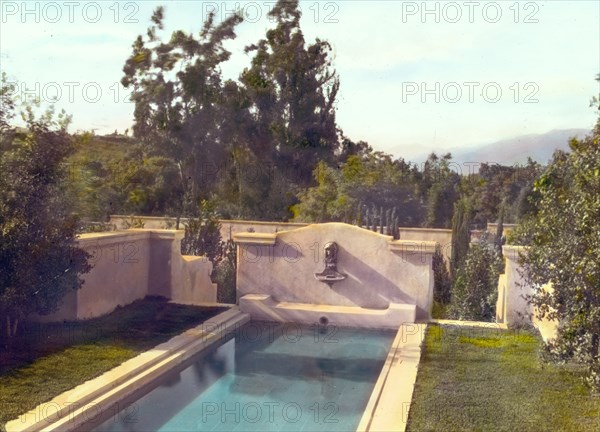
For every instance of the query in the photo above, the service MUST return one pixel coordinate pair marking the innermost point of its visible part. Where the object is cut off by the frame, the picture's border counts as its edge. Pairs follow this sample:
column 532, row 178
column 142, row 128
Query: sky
column 415, row 76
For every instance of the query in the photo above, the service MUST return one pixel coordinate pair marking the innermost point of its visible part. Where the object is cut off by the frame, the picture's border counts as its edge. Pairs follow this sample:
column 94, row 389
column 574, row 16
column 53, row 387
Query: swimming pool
column 265, row 376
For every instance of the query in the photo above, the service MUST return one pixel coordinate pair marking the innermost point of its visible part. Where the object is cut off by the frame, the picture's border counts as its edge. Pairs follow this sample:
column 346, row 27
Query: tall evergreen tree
column 461, row 233
column 292, row 90
column 179, row 101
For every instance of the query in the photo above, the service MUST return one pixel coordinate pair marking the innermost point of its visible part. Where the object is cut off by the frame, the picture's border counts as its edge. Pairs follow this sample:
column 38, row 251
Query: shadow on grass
column 48, row 359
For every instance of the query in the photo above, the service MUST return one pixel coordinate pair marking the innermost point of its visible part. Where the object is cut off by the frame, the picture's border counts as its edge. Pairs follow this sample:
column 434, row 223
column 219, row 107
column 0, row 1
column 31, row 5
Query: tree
column 203, row 234
column 180, row 102
column 442, row 284
column 325, row 202
column 475, row 288
column 365, row 180
column 564, row 250
column 292, row 90
column 461, row 233
column 203, row 238
column 502, row 191
column 39, row 259
column 439, row 186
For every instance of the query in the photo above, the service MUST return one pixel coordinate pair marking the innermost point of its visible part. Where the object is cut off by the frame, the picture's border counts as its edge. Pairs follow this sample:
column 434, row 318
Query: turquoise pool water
column 266, row 377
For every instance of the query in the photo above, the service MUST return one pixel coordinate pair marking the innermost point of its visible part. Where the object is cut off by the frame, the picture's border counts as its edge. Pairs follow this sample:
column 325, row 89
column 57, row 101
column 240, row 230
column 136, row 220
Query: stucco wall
column 512, row 307
column 129, row 265
column 120, row 274
column 443, row 237
column 379, row 271
column 228, row 227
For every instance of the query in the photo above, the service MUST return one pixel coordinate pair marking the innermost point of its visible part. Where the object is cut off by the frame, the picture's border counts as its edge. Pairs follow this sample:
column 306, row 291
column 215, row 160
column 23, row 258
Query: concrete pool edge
column 264, row 307
column 391, row 398
column 74, row 408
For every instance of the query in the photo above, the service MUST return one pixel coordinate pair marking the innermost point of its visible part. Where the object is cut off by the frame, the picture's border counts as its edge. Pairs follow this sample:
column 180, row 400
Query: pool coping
column 391, row 398
column 74, row 408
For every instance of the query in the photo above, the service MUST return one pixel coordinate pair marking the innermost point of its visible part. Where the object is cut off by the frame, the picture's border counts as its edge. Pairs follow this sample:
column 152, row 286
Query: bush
column 225, row 274
column 203, row 238
column 40, row 261
column 564, row 250
column 203, row 235
column 442, row 283
column 475, row 288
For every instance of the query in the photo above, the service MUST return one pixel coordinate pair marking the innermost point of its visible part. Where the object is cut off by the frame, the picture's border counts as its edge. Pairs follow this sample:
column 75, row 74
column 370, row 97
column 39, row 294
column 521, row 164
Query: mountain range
column 515, row 151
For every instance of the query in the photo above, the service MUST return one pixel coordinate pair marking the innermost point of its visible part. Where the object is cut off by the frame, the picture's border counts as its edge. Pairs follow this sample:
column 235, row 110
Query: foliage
column 225, row 275
column 564, row 250
column 203, row 234
column 252, row 143
column 134, row 222
column 439, row 184
column 502, row 191
column 357, row 191
column 177, row 86
column 292, row 91
column 442, row 283
column 461, row 233
column 324, row 202
column 475, row 288
column 39, row 258
column 203, row 238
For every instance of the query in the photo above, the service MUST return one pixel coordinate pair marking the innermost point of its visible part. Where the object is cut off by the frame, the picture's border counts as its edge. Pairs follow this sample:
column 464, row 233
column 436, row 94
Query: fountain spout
column 330, row 275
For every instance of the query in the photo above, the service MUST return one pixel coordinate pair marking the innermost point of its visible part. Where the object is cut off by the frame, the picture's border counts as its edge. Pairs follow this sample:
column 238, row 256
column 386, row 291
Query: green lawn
column 52, row 358
column 473, row 379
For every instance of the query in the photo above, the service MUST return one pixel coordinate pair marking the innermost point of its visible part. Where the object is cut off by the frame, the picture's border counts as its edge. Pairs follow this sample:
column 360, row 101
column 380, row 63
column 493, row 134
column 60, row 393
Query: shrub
column 564, row 249
column 475, row 288
column 203, row 235
column 203, row 238
column 225, row 274
column 442, row 283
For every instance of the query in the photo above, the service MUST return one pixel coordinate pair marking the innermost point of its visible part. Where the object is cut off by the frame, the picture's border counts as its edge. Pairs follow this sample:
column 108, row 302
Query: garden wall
column 228, row 227
column 276, row 273
column 512, row 307
column 129, row 265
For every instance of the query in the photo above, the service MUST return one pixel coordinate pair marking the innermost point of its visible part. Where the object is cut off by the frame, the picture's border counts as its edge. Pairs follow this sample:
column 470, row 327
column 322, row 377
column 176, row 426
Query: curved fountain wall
column 388, row 282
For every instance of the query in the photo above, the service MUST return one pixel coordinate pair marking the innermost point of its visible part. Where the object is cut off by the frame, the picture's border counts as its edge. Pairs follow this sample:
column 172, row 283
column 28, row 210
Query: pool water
column 266, row 377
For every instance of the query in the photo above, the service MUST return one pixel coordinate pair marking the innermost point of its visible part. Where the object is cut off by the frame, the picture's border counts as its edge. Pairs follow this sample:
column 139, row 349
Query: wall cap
column 263, row 239
column 512, row 252
column 405, row 246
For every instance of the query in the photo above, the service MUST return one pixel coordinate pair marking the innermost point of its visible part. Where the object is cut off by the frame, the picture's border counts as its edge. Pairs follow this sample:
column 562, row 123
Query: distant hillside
column 539, row 147
column 105, row 149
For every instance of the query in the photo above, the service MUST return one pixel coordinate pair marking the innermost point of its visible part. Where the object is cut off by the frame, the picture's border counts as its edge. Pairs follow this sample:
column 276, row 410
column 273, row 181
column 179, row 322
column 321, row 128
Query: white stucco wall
column 379, row 271
column 129, row 265
column 443, row 237
column 512, row 307
column 120, row 272
column 228, row 227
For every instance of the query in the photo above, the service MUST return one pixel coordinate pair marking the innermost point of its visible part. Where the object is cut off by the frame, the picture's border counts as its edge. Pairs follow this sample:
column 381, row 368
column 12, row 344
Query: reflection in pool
column 265, row 376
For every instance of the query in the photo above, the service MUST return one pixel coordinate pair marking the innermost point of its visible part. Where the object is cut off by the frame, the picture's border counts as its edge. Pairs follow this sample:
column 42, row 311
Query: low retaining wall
column 130, row 265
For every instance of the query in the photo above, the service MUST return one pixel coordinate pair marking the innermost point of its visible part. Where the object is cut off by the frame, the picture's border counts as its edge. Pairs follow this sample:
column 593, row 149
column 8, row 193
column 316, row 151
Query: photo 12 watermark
column 286, row 332
column 91, row 413
column 68, row 91
column 326, row 12
column 470, row 12
column 269, row 412
column 69, row 12
column 469, row 91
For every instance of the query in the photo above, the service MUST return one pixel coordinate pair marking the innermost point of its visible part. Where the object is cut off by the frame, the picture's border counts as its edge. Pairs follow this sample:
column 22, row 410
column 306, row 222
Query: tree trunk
column 11, row 327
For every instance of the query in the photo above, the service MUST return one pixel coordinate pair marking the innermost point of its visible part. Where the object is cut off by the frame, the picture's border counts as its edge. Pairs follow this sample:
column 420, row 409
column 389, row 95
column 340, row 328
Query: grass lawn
column 474, row 379
column 51, row 358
